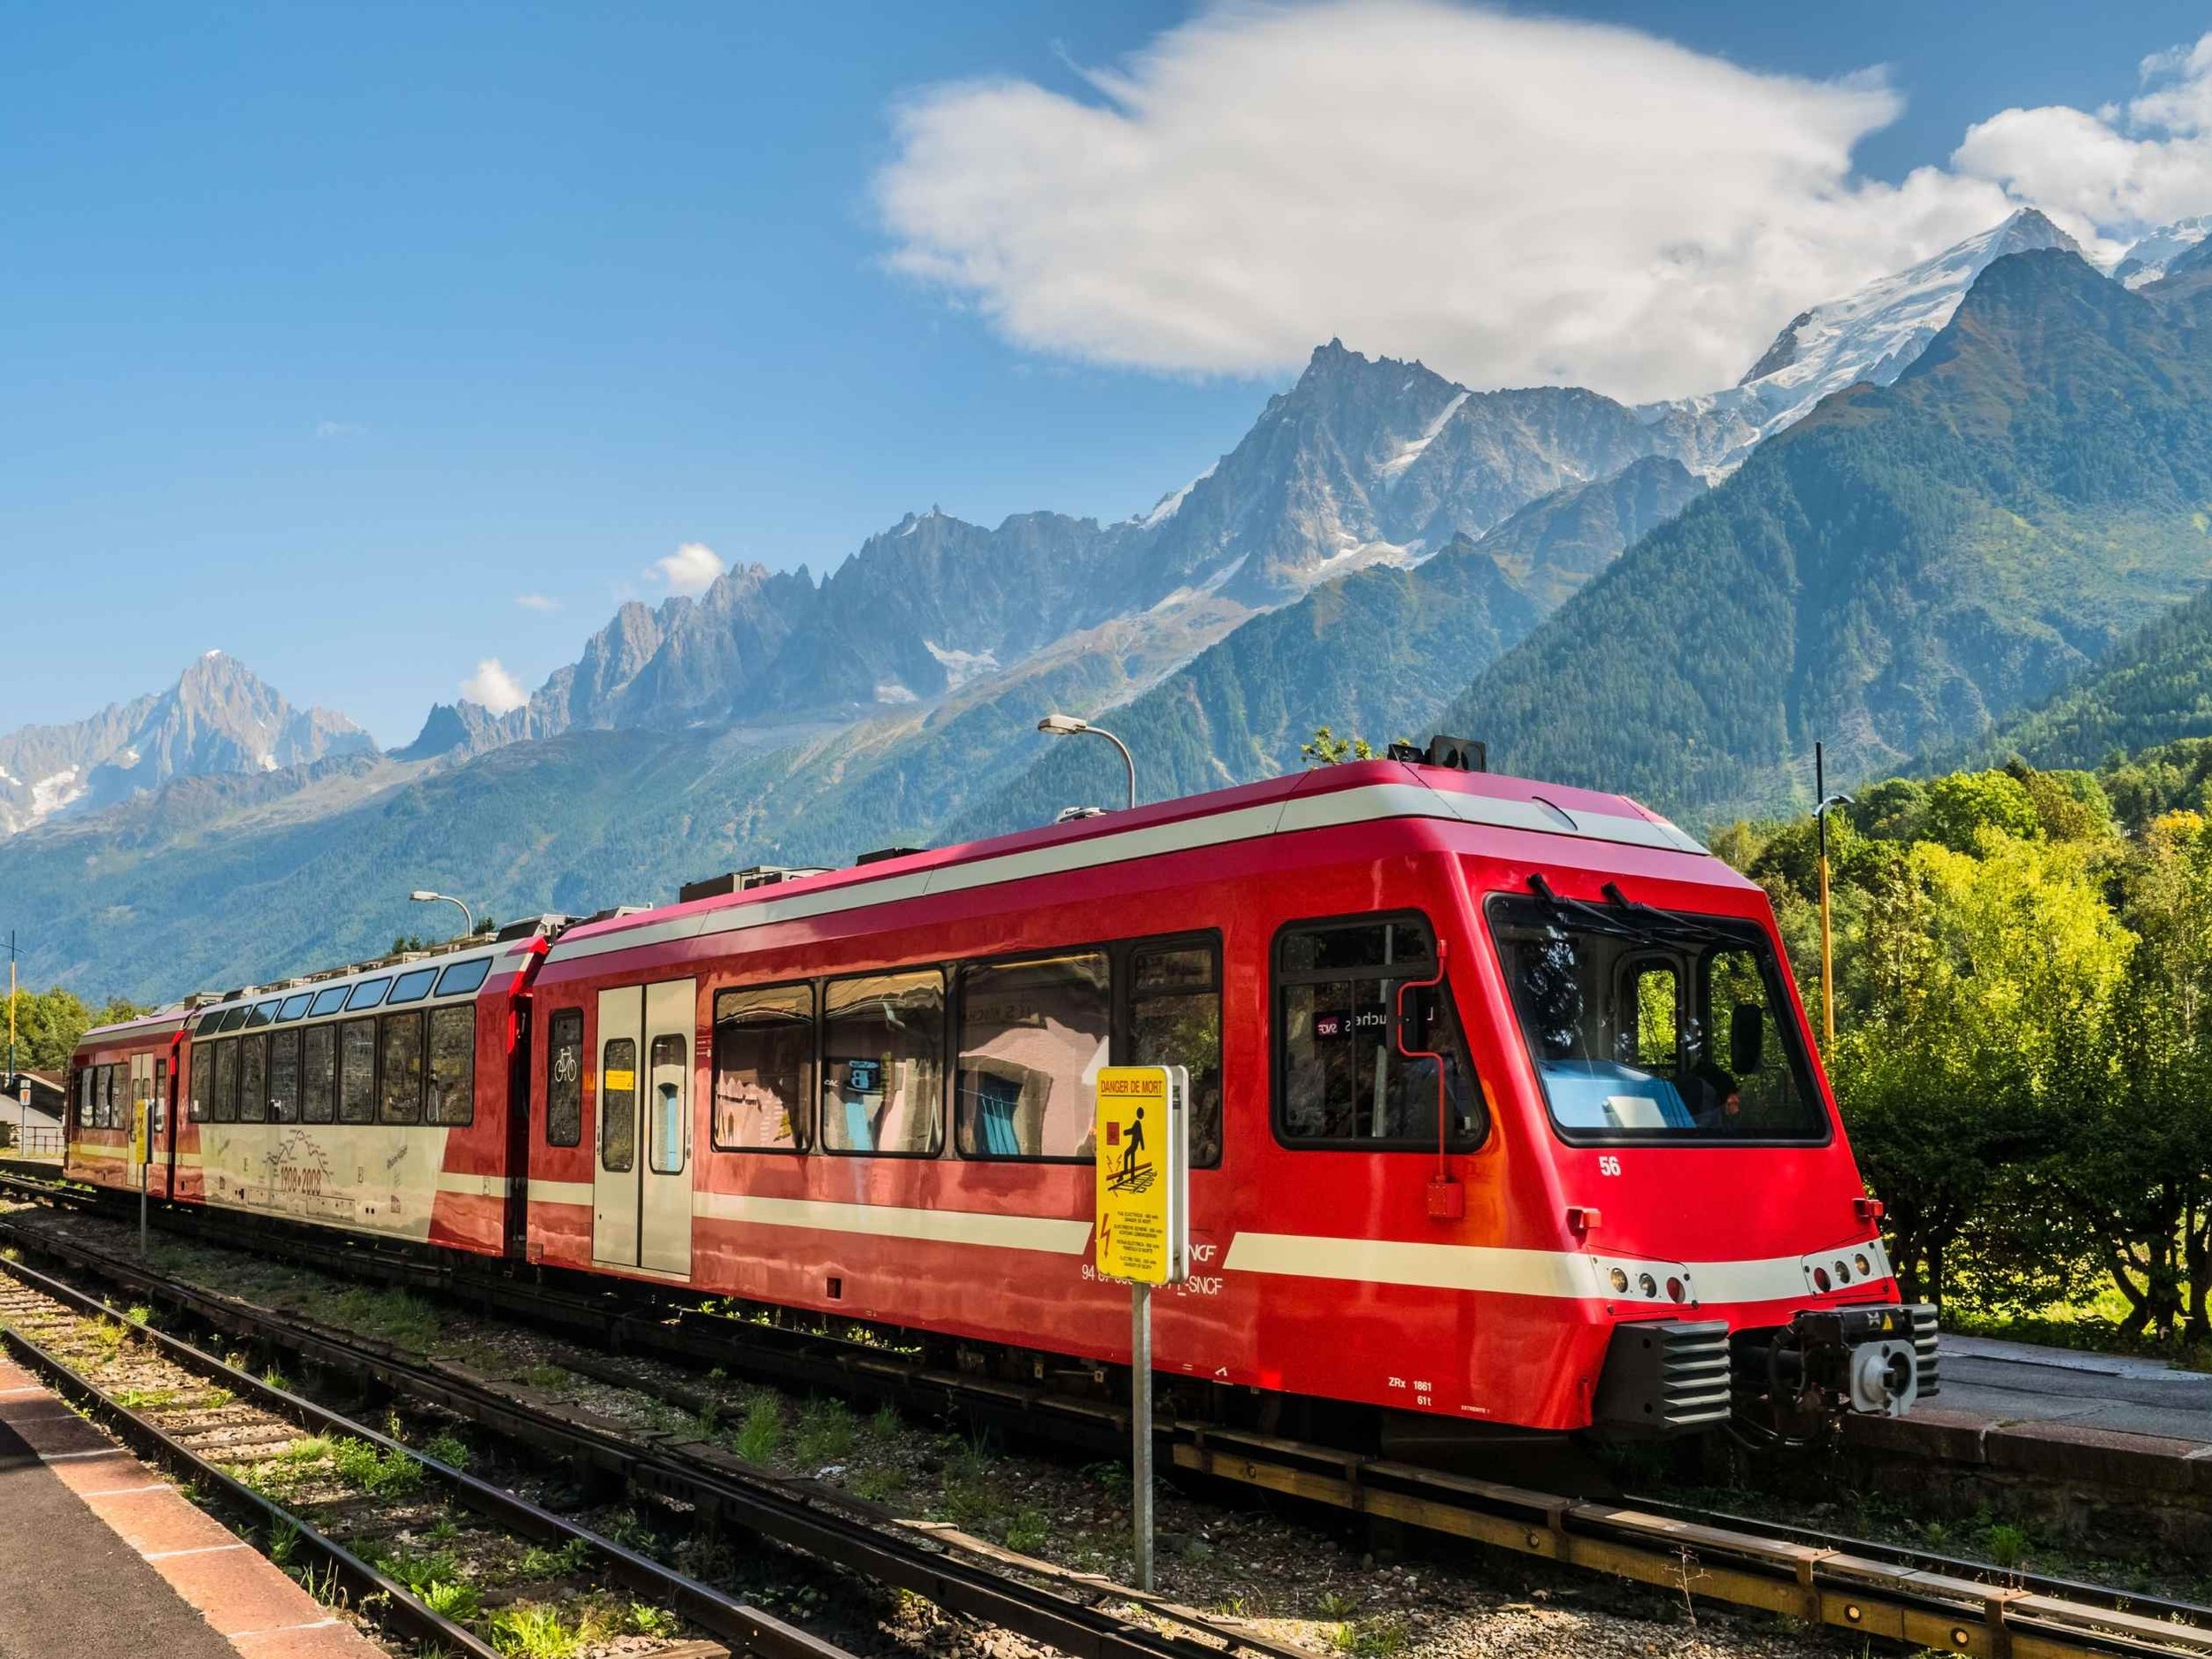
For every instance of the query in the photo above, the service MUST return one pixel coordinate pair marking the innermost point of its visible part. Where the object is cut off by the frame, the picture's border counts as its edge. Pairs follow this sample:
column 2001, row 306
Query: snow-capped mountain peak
column 1873, row 333
column 2147, row 261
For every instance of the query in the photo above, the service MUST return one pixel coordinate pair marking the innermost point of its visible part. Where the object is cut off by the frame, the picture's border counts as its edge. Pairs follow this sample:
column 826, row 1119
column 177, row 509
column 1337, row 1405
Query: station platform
column 2103, row 1446
column 101, row 1555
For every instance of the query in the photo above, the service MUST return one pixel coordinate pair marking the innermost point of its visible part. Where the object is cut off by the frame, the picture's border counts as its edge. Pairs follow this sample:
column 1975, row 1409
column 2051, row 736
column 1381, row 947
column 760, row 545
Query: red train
column 1503, row 1104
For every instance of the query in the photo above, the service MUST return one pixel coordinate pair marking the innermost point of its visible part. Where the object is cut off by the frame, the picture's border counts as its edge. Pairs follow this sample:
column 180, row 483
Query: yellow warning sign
column 1144, row 1171
column 617, row 1081
column 138, row 1133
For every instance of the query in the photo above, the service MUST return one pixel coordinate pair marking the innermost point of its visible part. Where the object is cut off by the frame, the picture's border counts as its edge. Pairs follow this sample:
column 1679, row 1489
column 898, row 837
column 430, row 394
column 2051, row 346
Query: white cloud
column 1513, row 199
column 339, row 429
column 494, row 687
column 537, row 602
column 2118, row 172
column 690, row 569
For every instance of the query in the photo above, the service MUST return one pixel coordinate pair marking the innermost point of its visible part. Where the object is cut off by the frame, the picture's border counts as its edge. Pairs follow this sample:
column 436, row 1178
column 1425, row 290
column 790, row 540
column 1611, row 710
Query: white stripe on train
column 1561, row 1274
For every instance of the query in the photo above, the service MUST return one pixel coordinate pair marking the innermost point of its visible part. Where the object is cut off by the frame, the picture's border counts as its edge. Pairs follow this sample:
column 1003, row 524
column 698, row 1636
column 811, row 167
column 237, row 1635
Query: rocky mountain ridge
column 218, row 717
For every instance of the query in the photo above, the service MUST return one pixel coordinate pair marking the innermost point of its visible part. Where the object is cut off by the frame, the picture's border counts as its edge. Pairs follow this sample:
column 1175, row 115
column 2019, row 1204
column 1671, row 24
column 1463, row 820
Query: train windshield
column 1656, row 1026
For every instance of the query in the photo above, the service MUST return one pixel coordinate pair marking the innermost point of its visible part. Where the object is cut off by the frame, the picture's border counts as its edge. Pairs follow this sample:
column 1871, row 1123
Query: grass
column 761, row 1432
column 1378, row 1637
column 2093, row 1325
column 145, row 1399
column 1027, row 1532
column 284, row 1542
column 539, row 1563
column 388, row 1315
column 825, row 1433
column 449, row 1598
column 531, row 1630
column 361, row 1465
column 447, row 1448
column 879, row 1484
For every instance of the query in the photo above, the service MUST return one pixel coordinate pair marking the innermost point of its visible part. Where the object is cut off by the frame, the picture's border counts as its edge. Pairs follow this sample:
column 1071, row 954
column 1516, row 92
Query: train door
column 642, row 1177
column 141, row 1121
column 664, row 1221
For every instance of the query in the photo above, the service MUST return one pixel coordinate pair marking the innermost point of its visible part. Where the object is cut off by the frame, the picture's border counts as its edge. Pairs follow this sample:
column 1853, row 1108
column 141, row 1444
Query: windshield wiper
column 1625, row 918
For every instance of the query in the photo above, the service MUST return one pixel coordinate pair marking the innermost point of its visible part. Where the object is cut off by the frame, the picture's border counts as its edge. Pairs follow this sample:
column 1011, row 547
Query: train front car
column 1711, row 1229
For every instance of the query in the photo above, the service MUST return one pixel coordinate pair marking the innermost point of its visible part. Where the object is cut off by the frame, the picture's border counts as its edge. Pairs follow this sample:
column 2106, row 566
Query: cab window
column 1341, row 1077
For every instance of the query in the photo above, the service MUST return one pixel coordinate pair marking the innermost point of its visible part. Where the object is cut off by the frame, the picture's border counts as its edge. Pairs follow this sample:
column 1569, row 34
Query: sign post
column 1142, row 1144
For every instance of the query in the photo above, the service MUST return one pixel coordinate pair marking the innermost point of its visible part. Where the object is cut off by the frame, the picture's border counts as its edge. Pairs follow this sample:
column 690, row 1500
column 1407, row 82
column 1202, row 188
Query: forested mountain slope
column 1907, row 566
column 2155, row 688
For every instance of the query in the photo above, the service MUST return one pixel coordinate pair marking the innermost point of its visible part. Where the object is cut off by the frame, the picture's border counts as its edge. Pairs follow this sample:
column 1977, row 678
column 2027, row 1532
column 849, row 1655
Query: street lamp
column 1068, row 726
column 424, row 895
column 1827, row 952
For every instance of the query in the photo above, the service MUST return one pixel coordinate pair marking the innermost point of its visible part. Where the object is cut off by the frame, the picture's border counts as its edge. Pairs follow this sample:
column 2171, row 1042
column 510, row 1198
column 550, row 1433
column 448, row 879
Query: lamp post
column 1827, row 951
column 1068, row 726
column 424, row 895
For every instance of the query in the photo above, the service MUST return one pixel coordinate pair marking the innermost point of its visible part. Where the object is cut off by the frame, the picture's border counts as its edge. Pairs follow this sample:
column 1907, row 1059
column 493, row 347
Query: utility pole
column 22, row 1110
column 1827, row 948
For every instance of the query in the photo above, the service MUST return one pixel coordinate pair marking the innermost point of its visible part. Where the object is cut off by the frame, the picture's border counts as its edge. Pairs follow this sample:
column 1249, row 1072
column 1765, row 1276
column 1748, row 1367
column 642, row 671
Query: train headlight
column 1619, row 1278
column 1866, row 1268
column 1646, row 1283
column 1843, row 1274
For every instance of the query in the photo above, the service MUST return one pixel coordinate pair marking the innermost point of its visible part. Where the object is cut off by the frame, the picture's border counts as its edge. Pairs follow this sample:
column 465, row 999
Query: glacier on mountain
column 1873, row 333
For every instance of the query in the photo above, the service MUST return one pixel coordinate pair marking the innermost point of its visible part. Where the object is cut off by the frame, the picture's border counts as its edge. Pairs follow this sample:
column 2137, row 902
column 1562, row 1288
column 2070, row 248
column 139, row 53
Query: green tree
column 1976, row 975
column 1965, row 804
column 49, row 1024
column 1328, row 750
column 2136, row 1170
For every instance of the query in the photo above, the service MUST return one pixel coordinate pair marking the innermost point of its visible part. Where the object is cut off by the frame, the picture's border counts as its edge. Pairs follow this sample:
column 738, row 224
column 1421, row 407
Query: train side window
column 284, row 1077
column 295, row 1007
column 763, row 1068
column 368, row 993
column 565, row 1077
column 617, row 1106
column 1340, row 1080
column 328, row 1000
column 883, row 1063
column 412, row 985
column 666, row 1141
column 318, row 1051
column 399, row 1069
column 357, row 1071
column 88, row 1078
column 463, row 977
column 262, row 1014
column 1033, row 1035
column 1175, row 1019
column 253, row 1079
column 157, row 1118
column 453, row 1065
column 202, row 1062
column 227, row 1082
column 102, row 1092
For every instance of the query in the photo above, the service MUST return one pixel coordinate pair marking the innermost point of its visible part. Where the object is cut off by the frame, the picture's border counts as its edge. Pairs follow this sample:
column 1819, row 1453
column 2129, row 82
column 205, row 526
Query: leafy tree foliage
column 2024, row 1052
column 49, row 1024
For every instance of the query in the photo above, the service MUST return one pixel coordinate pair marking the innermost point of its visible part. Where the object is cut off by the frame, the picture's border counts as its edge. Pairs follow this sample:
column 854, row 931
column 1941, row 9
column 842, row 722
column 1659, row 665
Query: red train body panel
column 905, row 1048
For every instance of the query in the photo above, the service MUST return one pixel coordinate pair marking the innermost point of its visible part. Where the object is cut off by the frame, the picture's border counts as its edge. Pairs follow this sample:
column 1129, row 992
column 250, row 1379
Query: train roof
column 516, row 943
column 1357, row 792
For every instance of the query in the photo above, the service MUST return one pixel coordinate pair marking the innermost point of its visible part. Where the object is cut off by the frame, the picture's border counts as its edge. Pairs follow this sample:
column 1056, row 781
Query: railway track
column 1875, row 1590
column 348, row 1506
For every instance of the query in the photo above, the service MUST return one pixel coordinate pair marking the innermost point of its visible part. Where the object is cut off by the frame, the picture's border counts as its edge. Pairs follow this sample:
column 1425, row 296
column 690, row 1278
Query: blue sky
column 334, row 331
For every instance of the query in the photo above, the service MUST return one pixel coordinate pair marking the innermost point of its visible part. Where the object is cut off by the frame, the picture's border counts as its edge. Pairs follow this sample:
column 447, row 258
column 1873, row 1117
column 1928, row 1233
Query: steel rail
column 1850, row 1583
column 695, row 1473
column 402, row 1608
column 759, row 1632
